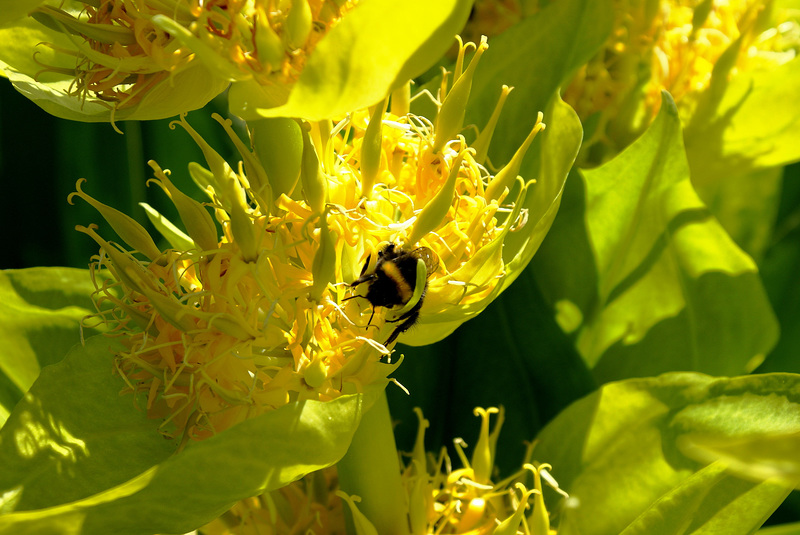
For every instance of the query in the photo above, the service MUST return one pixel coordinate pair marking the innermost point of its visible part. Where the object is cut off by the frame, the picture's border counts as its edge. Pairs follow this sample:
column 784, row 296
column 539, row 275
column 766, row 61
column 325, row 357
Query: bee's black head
column 389, row 252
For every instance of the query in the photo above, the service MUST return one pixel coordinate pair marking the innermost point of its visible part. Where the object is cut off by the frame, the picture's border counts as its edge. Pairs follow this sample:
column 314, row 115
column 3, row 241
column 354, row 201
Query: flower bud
column 195, row 217
column 128, row 229
column 539, row 520
column 278, row 145
column 217, row 63
column 315, row 373
column 483, row 456
column 298, row 24
column 510, row 526
column 312, row 176
column 481, row 144
column 434, row 212
column 176, row 238
column 323, row 268
column 451, row 115
column 268, row 44
column 505, row 178
column 371, row 150
column 230, row 193
column 123, row 265
column 255, row 174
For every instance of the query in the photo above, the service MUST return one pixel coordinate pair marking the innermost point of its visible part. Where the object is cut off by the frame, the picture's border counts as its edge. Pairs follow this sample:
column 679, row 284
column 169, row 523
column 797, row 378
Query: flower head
column 217, row 330
column 675, row 47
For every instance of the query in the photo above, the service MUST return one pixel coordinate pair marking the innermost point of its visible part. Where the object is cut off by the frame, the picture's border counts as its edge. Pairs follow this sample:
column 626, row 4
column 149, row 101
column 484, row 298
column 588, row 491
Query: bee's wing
column 430, row 258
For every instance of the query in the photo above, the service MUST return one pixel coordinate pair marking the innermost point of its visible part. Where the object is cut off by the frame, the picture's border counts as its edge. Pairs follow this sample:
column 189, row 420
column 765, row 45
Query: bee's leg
column 366, row 265
column 373, row 308
column 413, row 313
column 410, row 320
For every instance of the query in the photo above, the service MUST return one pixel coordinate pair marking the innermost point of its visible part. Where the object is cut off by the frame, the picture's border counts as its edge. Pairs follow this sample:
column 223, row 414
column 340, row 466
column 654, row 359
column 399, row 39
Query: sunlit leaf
column 11, row 10
column 615, row 452
column 77, row 453
column 373, row 50
column 783, row 529
column 742, row 132
column 40, row 314
column 647, row 276
column 771, row 456
column 751, row 123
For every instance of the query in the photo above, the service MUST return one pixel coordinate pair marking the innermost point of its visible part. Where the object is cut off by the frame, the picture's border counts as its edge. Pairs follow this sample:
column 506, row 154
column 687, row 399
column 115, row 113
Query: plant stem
column 371, row 470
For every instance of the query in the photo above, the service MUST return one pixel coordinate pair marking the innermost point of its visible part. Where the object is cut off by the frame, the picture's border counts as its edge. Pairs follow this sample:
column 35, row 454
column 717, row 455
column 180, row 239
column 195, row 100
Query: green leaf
column 646, row 275
column 615, row 452
column 40, row 314
column 746, row 206
column 80, row 458
column 746, row 124
column 741, row 133
column 757, row 458
column 11, row 10
column 784, row 529
column 374, row 49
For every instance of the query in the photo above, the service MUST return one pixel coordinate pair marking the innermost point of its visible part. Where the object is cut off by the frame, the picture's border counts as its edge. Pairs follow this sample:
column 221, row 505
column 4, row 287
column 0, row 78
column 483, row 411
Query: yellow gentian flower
column 674, row 47
column 218, row 330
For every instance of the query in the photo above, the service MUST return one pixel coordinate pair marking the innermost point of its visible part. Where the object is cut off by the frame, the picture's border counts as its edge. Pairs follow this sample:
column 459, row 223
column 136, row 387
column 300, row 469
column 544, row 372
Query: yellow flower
column 219, row 330
column 469, row 500
column 674, row 47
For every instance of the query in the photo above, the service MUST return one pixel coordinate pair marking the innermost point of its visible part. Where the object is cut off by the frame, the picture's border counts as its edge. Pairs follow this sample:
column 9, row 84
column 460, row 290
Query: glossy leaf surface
column 616, row 453
column 651, row 282
column 76, row 465
column 362, row 59
column 40, row 314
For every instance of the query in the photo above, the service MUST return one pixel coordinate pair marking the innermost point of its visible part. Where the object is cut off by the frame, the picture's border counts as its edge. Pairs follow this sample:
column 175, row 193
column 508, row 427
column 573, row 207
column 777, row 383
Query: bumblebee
column 393, row 280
